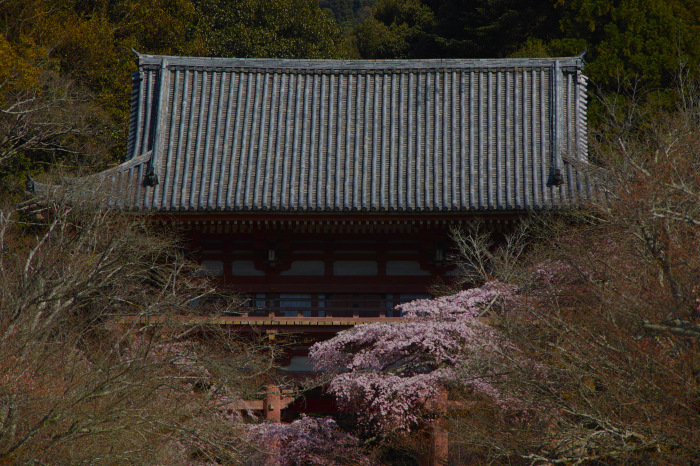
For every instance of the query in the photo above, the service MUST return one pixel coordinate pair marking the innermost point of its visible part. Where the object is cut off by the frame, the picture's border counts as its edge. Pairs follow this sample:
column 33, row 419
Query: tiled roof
column 327, row 135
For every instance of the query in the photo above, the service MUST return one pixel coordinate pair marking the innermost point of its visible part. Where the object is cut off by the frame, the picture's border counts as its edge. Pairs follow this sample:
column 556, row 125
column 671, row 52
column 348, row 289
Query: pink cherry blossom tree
column 390, row 373
column 308, row 441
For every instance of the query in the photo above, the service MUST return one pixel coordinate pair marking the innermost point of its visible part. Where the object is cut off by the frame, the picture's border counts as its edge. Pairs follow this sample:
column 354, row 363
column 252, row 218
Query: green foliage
column 449, row 28
column 348, row 13
column 90, row 41
column 488, row 28
column 70, row 62
column 396, row 29
column 268, row 28
column 630, row 39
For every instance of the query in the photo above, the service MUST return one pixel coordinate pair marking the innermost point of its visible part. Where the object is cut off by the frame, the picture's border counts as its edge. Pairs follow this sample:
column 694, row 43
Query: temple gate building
column 325, row 190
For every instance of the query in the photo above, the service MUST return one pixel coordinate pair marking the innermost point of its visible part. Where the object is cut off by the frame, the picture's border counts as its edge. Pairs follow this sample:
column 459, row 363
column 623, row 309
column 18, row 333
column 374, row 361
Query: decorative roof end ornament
column 137, row 56
column 557, row 178
column 151, row 178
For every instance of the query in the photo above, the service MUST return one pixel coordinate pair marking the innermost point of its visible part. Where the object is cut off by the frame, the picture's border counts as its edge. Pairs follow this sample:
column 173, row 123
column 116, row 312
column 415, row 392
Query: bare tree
column 87, row 371
column 51, row 120
column 607, row 317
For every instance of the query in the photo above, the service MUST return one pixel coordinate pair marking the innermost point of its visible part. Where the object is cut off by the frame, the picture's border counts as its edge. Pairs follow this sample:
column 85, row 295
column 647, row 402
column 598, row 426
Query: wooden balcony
column 306, row 313
column 314, row 311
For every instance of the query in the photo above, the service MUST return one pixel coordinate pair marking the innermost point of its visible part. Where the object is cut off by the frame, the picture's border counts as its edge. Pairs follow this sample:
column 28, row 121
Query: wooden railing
column 350, row 306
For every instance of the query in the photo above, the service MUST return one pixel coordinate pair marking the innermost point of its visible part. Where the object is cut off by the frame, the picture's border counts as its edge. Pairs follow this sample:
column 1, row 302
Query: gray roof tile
column 328, row 135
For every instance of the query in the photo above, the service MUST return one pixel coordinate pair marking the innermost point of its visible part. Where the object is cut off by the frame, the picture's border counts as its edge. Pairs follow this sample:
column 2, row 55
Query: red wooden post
column 272, row 408
column 439, row 440
column 272, row 411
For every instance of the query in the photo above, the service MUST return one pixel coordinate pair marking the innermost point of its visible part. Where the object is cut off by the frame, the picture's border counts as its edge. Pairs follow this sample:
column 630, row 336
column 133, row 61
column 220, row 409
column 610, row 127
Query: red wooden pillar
column 438, row 443
column 439, row 440
column 272, row 408
column 272, row 411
